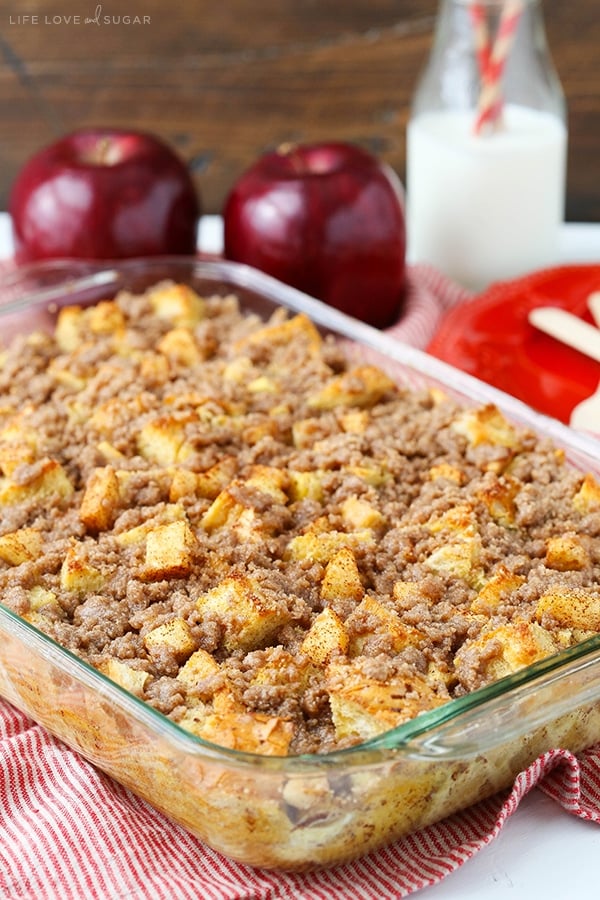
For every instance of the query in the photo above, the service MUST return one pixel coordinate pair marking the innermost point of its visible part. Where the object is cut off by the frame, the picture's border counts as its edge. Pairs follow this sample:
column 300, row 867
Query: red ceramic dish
column 490, row 337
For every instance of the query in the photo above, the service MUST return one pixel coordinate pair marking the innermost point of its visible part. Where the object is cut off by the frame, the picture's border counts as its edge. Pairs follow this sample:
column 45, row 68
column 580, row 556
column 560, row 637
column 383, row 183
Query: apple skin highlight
column 328, row 219
column 104, row 194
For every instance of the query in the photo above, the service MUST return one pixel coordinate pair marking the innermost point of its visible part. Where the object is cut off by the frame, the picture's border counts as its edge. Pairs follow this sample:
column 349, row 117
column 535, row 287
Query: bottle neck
column 502, row 41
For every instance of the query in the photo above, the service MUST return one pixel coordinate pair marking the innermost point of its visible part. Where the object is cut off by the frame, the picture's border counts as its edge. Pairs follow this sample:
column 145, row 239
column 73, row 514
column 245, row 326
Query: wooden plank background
column 224, row 81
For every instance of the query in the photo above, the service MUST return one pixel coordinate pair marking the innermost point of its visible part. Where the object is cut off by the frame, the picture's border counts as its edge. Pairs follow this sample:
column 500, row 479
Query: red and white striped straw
column 481, row 32
column 490, row 99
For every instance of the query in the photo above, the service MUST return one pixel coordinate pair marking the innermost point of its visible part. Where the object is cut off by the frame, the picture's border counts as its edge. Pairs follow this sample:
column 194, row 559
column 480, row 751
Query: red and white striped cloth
column 68, row 832
column 429, row 295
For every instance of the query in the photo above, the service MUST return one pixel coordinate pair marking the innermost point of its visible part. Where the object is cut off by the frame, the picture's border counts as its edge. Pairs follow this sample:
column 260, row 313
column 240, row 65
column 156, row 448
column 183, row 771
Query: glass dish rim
column 406, row 738
column 81, row 275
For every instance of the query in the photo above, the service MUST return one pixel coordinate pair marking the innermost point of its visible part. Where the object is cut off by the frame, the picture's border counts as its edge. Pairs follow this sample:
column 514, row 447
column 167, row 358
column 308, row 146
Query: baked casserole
column 283, row 551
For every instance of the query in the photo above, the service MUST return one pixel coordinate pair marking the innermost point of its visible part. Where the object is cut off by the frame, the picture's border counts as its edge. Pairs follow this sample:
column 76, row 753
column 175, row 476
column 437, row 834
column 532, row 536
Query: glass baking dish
column 296, row 812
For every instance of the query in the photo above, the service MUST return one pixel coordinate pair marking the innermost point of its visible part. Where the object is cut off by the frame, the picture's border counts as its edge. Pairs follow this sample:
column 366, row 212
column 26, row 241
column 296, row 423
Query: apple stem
column 102, row 153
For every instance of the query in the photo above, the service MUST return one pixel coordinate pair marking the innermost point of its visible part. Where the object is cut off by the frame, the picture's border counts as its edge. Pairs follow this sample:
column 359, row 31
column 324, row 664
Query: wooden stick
column 568, row 329
column 593, row 303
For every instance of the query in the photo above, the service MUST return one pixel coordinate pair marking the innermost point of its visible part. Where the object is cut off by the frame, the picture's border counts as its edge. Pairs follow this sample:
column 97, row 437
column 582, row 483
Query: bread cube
column 439, row 675
column 500, row 651
column 499, row 499
column 374, row 475
column 448, row 472
column 249, row 618
column 169, row 551
column 246, row 731
column 194, row 716
column 41, row 603
column 105, row 317
column 177, row 303
column 459, row 520
column 77, row 574
column 68, row 331
column 20, row 546
column 114, row 413
column 16, row 426
column 78, row 411
column 458, row 559
column 320, row 547
column 227, row 510
column 587, row 498
column 256, row 432
column 100, row 500
column 573, row 608
column 224, row 699
column 363, row 706
column 363, row 386
column 109, row 452
column 184, row 483
column 280, row 410
column 154, row 368
column 19, row 442
column 342, row 578
column 437, row 395
column 354, row 421
column 404, row 591
column 162, row 441
column 383, row 620
column 281, row 667
column 198, row 666
column 358, row 513
column 60, row 369
column 14, row 454
column 305, row 432
column 269, row 480
column 174, row 636
column 250, row 526
column 263, row 385
column 171, row 512
column 297, row 330
column 566, row 553
column 49, row 480
column 325, row 638
column 180, row 347
column 133, row 680
column 224, row 510
column 460, row 554
column 499, row 587
column 486, row 425
column 40, row 597
column 305, row 486
column 239, row 370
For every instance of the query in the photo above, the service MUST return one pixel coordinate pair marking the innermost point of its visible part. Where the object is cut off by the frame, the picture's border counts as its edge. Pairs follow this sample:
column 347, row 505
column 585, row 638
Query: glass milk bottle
column 487, row 145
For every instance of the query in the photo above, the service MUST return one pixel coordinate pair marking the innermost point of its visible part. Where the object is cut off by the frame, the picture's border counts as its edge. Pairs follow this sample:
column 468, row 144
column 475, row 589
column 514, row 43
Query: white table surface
column 542, row 853
column 579, row 242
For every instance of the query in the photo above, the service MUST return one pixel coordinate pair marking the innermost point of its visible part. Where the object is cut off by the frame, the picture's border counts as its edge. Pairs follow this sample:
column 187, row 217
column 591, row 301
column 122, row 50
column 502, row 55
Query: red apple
column 104, row 193
column 328, row 219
